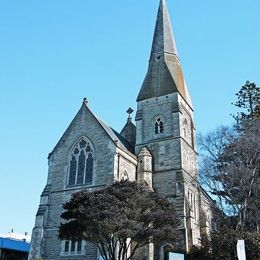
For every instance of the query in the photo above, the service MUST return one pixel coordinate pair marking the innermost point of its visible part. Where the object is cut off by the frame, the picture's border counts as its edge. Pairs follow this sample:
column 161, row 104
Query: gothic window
column 81, row 166
column 73, row 170
column 89, row 169
column 158, row 126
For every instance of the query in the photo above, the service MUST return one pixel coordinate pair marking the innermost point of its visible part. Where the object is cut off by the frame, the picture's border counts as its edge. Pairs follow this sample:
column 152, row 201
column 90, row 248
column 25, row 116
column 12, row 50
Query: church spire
column 163, row 40
column 164, row 74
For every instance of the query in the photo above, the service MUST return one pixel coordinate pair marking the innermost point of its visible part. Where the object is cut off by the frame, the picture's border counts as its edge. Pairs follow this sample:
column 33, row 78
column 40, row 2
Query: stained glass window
column 82, row 143
column 73, row 170
column 81, row 165
column 89, row 169
column 88, row 149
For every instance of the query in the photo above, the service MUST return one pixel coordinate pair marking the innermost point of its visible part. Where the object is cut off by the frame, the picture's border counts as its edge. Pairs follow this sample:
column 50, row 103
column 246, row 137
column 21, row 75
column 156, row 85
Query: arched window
column 159, row 126
column 81, row 164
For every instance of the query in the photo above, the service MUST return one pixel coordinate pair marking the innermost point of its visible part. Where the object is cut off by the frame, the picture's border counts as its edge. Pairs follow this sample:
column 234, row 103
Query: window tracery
column 81, row 166
column 159, row 126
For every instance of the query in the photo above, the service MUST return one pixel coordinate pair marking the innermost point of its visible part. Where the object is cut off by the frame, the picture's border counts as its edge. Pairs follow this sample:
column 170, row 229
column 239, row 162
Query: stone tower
column 165, row 128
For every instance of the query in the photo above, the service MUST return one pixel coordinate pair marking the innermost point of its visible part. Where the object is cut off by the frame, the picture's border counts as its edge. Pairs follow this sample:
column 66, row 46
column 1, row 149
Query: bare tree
column 230, row 172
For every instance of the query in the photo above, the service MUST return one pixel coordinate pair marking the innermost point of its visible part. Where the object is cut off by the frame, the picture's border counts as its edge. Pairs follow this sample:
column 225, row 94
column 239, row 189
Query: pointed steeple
column 163, row 40
column 164, row 74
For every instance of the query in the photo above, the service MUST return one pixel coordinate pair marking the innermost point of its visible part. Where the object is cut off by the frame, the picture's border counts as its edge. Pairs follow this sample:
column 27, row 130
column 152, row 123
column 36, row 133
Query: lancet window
column 158, row 126
column 185, row 127
column 81, row 165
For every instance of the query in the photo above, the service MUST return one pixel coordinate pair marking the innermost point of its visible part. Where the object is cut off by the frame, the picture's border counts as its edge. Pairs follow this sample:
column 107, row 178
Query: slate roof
column 118, row 139
column 164, row 74
column 115, row 136
column 163, row 39
column 129, row 132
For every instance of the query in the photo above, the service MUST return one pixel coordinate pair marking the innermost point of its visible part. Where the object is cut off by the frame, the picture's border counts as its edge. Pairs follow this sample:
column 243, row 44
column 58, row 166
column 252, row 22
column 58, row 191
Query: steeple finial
column 85, row 101
column 164, row 75
column 163, row 40
column 129, row 112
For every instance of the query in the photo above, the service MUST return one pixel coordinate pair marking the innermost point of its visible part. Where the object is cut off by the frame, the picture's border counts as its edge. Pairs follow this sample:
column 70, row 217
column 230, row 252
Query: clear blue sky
column 55, row 52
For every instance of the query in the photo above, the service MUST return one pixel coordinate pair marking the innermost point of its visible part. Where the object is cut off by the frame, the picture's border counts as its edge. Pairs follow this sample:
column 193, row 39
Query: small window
column 67, row 246
column 159, row 126
column 185, row 128
column 79, row 246
column 179, row 188
column 72, row 247
column 125, row 176
column 184, row 131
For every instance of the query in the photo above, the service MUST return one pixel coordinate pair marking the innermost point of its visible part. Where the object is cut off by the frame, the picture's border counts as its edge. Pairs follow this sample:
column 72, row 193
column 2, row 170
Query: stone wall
column 45, row 242
column 174, row 158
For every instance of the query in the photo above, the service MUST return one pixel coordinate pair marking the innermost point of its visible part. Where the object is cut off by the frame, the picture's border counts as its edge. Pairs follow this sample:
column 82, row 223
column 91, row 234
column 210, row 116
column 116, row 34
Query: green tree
column 222, row 245
column 248, row 99
column 119, row 219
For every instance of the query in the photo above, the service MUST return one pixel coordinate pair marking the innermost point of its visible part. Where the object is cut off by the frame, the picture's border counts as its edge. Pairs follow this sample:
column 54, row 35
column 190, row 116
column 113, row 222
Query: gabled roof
column 129, row 132
column 112, row 134
column 164, row 74
column 116, row 137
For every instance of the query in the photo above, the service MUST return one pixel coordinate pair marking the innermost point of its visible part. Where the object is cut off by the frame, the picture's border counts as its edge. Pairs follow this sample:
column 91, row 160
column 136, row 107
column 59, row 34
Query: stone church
column 159, row 149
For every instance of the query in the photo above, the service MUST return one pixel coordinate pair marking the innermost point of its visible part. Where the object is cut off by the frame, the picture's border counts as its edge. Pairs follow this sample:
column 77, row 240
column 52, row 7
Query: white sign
column 241, row 252
column 175, row 256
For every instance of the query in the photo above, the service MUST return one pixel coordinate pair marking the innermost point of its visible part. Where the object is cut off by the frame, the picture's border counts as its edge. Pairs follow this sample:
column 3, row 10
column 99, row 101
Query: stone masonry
column 159, row 150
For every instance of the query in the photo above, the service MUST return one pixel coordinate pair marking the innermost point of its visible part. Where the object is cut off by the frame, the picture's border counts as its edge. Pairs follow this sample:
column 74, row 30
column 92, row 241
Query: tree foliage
column 248, row 99
column 117, row 218
column 222, row 245
column 230, row 171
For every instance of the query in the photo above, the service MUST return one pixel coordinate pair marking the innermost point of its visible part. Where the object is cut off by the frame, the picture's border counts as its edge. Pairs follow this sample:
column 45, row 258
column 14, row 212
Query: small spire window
column 81, row 164
column 185, row 128
column 159, row 126
column 125, row 176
